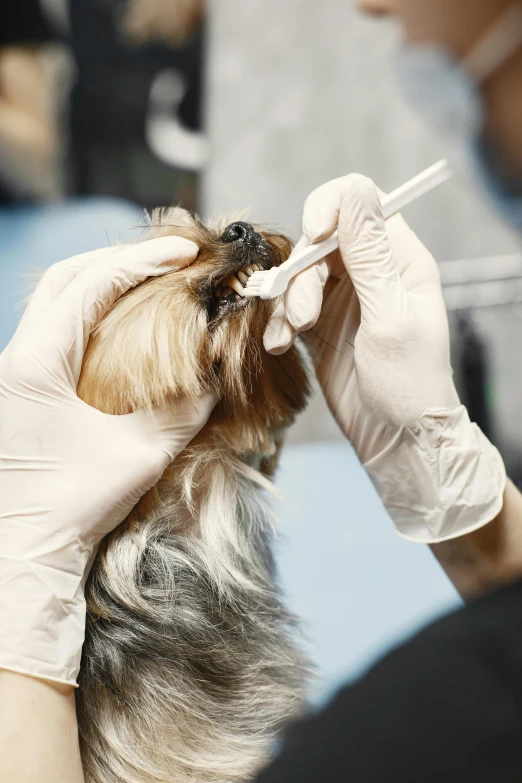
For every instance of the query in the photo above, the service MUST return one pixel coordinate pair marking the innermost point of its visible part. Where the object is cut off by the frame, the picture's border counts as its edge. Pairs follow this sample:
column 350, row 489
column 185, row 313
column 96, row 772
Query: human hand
column 69, row 473
column 373, row 317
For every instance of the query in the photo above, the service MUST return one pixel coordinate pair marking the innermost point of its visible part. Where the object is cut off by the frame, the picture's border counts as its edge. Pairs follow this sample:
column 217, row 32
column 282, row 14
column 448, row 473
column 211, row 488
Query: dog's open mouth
column 234, row 283
column 248, row 252
column 229, row 293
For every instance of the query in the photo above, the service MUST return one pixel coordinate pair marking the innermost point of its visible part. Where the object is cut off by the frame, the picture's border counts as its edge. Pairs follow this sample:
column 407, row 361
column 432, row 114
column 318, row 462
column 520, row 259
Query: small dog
column 190, row 665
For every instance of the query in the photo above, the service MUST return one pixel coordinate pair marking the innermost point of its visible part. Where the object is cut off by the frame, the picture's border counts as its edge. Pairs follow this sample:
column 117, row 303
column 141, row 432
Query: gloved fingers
column 300, row 308
column 321, row 216
column 352, row 204
column 167, row 432
column 304, row 296
column 84, row 302
column 337, row 326
column 58, row 276
column 279, row 334
column 365, row 248
column 321, row 209
column 415, row 264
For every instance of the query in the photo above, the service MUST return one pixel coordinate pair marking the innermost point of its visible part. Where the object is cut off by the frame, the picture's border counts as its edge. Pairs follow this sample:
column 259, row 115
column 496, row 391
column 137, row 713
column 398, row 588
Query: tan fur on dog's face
column 171, row 338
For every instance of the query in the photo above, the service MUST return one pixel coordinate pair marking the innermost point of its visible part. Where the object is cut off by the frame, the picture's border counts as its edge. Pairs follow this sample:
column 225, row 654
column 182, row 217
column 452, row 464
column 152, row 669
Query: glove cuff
column 43, row 629
column 439, row 479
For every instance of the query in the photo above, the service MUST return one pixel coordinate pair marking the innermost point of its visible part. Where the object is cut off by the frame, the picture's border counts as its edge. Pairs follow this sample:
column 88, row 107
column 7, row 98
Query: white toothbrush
column 267, row 284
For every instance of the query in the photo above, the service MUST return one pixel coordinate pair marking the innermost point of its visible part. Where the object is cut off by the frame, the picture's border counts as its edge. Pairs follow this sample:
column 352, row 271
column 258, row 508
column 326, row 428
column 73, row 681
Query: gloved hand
column 68, row 473
column 373, row 316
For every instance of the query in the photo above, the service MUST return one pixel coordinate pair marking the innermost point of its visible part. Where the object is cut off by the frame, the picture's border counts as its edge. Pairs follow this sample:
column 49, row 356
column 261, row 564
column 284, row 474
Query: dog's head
column 180, row 334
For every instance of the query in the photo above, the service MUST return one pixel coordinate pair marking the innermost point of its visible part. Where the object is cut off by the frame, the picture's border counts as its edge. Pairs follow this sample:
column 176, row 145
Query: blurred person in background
column 136, row 129
column 29, row 134
column 446, row 705
column 101, row 99
column 173, row 21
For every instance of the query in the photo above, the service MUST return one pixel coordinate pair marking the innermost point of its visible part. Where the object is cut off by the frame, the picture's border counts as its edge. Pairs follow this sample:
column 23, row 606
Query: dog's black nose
column 239, row 230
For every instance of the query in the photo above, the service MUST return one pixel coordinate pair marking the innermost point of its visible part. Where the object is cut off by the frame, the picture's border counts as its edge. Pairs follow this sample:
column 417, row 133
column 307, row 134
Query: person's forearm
column 38, row 725
column 27, row 150
column 488, row 557
column 28, row 129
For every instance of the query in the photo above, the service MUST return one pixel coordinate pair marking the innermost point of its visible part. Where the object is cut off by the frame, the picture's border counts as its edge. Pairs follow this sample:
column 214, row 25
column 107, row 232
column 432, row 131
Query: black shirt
column 22, row 23
column 446, row 706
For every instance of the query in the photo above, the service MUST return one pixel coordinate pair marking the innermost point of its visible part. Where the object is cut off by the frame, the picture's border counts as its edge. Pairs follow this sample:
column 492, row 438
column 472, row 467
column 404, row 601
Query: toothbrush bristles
column 255, row 281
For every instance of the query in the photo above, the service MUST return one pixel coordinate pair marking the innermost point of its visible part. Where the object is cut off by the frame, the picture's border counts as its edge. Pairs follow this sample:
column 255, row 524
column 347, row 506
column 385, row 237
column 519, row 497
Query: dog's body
column 189, row 664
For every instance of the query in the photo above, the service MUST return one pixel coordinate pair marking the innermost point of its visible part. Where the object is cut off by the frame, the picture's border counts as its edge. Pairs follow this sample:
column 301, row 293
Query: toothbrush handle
column 415, row 188
column 309, row 255
column 392, row 203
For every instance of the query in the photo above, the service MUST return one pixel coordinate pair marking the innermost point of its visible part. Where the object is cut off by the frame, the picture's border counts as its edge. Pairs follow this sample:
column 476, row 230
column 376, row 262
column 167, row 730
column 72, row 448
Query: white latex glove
column 68, row 473
column 378, row 334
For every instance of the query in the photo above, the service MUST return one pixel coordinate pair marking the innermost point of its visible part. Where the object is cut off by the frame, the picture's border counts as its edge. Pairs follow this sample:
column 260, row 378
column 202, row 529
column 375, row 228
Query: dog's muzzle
column 250, row 252
column 242, row 232
column 249, row 246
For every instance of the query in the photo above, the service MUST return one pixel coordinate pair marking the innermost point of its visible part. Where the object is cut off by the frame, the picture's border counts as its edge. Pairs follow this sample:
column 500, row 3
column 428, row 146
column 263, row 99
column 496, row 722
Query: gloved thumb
column 352, row 204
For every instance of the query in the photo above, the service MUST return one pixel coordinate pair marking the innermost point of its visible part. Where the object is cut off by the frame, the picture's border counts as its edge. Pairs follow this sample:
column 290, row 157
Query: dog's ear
column 171, row 217
column 178, row 216
column 173, row 221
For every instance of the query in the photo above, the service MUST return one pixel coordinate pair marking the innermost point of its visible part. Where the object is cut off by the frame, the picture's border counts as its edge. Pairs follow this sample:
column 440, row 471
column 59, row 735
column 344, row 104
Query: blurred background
column 111, row 106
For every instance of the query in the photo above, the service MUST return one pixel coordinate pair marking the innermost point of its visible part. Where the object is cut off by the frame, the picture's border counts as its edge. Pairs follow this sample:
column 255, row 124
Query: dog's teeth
column 248, row 269
column 235, row 285
column 243, row 277
column 256, row 267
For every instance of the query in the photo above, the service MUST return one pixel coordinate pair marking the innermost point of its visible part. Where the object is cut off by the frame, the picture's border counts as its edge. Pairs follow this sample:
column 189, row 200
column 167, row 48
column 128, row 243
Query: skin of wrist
column 487, row 558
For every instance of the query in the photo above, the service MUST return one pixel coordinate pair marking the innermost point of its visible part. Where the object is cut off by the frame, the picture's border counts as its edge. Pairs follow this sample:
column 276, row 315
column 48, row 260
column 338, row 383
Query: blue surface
column 358, row 587
column 33, row 237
